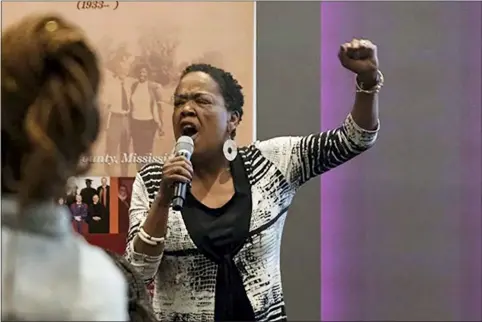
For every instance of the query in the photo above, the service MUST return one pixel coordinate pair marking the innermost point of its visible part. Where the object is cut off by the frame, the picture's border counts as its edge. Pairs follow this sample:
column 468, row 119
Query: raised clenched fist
column 360, row 57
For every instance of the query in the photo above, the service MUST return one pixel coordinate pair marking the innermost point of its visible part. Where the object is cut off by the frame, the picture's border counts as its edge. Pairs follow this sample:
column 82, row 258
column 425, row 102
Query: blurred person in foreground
column 50, row 119
column 219, row 258
column 140, row 308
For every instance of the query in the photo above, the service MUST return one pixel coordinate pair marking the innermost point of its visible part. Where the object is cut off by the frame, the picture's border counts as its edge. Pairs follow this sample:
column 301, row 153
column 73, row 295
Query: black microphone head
column 184, row 146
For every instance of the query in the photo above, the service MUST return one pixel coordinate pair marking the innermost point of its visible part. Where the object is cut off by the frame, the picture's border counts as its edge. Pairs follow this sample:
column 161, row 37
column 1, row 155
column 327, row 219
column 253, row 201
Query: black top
column 219, row 234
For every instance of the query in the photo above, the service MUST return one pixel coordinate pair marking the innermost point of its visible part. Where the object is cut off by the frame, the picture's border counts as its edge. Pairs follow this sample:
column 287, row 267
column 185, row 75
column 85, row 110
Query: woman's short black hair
column 230, row 88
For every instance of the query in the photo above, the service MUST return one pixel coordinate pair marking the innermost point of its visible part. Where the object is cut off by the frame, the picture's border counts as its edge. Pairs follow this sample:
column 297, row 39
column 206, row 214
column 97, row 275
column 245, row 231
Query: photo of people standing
column 133, row 106
column 92, row 204
column 146, row 113
column 116, row 107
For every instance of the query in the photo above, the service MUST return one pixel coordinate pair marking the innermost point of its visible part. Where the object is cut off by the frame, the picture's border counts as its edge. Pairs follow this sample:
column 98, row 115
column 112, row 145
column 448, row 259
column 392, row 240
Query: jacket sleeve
column 146, row 265
column 305, row 157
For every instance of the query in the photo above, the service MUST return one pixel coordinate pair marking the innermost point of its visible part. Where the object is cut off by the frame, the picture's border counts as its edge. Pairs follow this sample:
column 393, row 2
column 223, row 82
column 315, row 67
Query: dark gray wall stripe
column 288, row 103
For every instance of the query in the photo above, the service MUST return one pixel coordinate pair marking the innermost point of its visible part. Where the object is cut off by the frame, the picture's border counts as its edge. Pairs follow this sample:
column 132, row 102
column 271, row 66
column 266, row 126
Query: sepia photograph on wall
column 147, row 45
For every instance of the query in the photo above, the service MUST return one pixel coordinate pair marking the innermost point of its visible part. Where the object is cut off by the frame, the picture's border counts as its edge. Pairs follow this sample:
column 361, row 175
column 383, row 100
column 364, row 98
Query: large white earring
column 230, row 150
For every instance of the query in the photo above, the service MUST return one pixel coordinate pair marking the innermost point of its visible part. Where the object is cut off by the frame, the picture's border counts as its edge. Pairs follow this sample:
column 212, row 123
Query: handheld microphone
column 184, row 147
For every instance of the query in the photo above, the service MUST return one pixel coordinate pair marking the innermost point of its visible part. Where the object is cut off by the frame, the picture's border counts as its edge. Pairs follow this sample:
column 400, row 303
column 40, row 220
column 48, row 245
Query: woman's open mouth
column 190, row 130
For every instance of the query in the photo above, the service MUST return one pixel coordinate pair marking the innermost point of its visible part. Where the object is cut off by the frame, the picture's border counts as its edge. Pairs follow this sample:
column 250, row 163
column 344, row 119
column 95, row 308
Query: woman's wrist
column 368, row 79
column 161, row 201
column 369, row 83
column 159, row 211
column 156, row 222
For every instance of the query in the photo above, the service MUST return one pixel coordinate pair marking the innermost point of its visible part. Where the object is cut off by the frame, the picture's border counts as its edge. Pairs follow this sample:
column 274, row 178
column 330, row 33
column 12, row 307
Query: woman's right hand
column 176, row 169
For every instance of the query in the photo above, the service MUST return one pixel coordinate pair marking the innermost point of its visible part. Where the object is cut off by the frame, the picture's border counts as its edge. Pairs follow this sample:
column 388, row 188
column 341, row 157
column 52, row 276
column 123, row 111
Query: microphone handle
column 180, row 188
column 179, row 196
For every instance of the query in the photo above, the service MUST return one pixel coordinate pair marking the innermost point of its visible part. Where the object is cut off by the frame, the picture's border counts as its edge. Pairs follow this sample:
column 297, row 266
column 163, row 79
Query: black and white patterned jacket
column 185, row 279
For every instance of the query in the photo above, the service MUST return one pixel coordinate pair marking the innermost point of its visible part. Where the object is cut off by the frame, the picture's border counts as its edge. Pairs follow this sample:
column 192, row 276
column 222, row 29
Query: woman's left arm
column 302, row 158
column 360, row 57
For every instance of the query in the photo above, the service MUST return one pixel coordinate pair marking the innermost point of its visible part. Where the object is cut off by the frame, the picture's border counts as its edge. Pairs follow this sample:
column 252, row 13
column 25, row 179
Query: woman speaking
column 219, row 258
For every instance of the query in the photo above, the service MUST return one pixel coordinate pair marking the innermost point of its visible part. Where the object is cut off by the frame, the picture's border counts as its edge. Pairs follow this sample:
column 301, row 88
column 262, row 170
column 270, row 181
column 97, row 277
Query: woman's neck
column 210, row 169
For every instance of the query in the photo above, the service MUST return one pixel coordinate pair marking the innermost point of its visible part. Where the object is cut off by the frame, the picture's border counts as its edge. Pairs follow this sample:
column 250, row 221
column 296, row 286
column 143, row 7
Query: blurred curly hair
column 50, row 117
